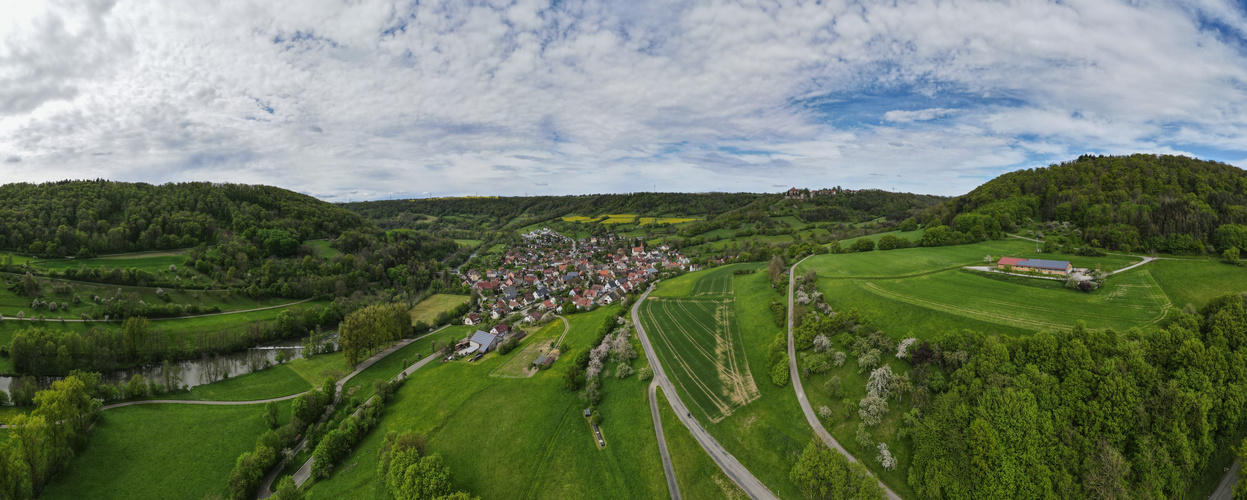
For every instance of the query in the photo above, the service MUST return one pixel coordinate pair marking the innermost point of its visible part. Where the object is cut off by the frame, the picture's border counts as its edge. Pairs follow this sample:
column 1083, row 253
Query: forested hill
column 1140, row 202
column 86, row 218
column 843, row 206
column 392, row 214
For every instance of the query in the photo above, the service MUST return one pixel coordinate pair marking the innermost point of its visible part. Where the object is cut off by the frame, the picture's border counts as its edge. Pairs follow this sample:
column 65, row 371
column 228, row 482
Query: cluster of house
column 1061, row 267
column 551, row 269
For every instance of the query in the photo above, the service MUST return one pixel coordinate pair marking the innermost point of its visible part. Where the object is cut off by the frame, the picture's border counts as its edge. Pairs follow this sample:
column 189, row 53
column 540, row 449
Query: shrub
column 779, row 372
column 862, row 245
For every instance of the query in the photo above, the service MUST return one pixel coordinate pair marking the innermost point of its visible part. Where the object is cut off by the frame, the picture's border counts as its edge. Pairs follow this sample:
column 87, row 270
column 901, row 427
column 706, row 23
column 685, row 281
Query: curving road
column 796, row 384
column 1225, row 489
column 306, row 470
column 728, row 463
column 672, row 485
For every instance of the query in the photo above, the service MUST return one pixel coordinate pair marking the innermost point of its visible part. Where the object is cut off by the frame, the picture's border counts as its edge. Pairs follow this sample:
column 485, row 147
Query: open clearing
column 428, row 309
column 717, row 281
column 162, row 451
column 1128, row 300
column 910, row 261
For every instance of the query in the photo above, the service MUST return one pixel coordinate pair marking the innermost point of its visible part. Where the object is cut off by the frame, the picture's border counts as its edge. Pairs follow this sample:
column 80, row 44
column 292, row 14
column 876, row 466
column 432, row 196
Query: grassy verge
column 273, row 382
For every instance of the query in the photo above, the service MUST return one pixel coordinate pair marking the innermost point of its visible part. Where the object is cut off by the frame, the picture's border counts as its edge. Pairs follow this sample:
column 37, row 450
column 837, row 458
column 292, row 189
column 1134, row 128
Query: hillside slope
column 86, row 218
column 1140, row 202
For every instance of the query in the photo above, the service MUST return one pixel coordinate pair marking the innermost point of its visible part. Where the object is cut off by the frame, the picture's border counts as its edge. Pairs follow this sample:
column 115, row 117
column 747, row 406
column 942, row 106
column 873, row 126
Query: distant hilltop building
column 801, row 194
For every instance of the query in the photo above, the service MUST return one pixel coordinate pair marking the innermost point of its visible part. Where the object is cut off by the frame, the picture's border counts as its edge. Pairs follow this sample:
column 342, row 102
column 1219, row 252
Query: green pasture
column 711, row 282
column 1128, row 300
column 912, row 236
column 161, row 451
column 910, row 261
column 155, row 262
column 696, row 474
column 900, row 320
column 428, row 309
column 467, row 243
column 272, row 382
column 1195, row 282
column 517, row 437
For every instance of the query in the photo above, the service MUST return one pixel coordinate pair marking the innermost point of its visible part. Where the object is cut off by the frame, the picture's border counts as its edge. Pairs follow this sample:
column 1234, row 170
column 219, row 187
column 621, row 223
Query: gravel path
column 812, row 417
column 730, row 465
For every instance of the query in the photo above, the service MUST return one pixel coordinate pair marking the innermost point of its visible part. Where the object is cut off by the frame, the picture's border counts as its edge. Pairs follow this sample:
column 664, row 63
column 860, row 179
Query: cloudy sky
column 361, row 99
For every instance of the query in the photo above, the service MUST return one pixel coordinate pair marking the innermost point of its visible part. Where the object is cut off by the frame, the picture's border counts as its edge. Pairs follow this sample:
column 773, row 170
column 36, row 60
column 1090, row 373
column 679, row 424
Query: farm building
column 1061, row 267
column 481, row 342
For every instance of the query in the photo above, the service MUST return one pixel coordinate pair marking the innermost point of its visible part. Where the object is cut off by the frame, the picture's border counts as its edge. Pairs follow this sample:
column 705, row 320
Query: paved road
column 812, row 417
column 1225, row 489
column 732, row 467
column 306, row 470
column 672, row 485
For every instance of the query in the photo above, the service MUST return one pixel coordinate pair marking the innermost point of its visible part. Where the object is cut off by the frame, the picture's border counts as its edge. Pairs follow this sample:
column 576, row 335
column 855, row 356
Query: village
column 552, row 273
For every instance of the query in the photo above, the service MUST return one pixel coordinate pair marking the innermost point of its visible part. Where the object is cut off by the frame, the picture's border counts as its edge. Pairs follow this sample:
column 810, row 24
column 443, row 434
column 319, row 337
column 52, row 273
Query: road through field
column 796, row 384
column 672, row 485
column 728, row 463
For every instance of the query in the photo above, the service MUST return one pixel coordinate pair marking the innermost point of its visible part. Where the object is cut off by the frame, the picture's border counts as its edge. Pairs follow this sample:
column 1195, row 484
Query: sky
column 362, row 100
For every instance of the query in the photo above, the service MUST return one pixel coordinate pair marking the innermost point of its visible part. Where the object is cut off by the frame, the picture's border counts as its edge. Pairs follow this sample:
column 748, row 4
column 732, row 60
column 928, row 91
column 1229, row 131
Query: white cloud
column 901, row 116
column 370, row 98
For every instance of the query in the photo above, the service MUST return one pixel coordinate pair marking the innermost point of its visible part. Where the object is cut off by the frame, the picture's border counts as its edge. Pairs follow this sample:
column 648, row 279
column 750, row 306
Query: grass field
column 161, row 451
column 910, row 261
column 697, row 475
column 428, row 309
column 1129, row 299
column 322, row 248
column 272, row 382
column 901, row 320
column 517, row 437
column 1195, row 282
column 767, row 434
column 150, row 261
column 467, row 243
column 711, row 282
column 702, row 352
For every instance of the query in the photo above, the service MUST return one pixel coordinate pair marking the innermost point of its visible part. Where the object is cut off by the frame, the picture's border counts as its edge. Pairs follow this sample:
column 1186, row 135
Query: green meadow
column 910, row 261
column 162, row 451
column 428, row 309
column 518, row 437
